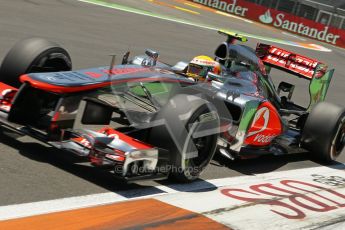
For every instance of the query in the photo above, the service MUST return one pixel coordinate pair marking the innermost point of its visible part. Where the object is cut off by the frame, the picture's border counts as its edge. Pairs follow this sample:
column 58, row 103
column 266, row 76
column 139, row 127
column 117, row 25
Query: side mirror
column 180, row 67
column 152, row 54
column 152, row 58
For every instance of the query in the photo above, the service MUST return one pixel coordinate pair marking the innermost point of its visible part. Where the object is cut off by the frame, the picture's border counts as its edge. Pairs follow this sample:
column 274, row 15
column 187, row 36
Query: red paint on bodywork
column 60, row 89
column 94, row 75
column 129, row 140
column 117, row 71
column 74, row 89
column 118, row 154
column 7, row 94
column 265, row 126
column 289, row 61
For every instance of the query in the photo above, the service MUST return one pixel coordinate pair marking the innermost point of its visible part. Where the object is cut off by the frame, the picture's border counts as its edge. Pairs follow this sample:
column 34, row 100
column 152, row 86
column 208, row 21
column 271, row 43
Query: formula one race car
column 144, row 120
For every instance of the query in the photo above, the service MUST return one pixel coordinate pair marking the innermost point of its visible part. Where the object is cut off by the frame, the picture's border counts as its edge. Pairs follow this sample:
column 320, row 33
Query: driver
column 199, row 67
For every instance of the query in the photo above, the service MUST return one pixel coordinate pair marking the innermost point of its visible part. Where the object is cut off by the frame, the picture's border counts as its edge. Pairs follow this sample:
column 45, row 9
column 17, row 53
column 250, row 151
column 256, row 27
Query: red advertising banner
column 279, row 19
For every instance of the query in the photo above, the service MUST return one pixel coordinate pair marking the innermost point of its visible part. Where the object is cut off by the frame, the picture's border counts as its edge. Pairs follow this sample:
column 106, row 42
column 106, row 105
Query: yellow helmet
column 200, row 66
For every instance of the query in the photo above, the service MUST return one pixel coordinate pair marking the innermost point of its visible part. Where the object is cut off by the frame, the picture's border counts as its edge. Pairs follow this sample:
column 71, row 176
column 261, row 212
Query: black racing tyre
column 324, row 132
column 33, row 55
column 190, row 133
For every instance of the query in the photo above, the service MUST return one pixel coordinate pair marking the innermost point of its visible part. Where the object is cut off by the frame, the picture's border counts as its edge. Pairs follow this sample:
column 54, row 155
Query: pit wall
column 279, row 19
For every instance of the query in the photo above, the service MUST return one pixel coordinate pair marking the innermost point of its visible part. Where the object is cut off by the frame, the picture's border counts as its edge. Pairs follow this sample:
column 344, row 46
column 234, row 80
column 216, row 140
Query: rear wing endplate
column 318, row 88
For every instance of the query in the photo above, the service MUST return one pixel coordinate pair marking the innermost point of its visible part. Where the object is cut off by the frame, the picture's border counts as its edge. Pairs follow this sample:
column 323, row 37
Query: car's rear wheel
column 189, row 133
column 324, row 132
column 33, row 55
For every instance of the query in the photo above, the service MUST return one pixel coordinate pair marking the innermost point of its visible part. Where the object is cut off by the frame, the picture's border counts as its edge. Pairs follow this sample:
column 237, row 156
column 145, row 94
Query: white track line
column 199, row 25
column 71, row 203
column 233, row 16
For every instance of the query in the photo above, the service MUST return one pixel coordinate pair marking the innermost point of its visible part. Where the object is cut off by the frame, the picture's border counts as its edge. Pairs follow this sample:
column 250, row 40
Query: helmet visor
column 199, row 70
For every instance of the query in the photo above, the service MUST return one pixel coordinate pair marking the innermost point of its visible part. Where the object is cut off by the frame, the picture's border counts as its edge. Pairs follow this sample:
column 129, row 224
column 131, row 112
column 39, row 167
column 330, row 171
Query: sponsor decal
column 294, row 62
column 265, row 126
column 291, row 198
column 266, row 18
column 298, row 27
column 50, row 78
column 278, row 19
column 118, row 71
column 94, row 75
column 264, row 138
column 264, row 113
column 227, row 6
column 204, row 62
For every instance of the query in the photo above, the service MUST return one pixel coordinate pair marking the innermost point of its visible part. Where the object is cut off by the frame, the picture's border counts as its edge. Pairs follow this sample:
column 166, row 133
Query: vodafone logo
column 264, row 112
column 266, row 125
column 263, row 138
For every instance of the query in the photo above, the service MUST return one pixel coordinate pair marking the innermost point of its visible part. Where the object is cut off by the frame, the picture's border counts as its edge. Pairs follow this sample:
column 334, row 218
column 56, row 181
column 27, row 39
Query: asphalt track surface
column 31, row 171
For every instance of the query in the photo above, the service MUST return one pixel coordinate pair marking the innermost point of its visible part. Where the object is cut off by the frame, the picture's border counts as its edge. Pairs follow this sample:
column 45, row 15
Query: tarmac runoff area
column 297, row 199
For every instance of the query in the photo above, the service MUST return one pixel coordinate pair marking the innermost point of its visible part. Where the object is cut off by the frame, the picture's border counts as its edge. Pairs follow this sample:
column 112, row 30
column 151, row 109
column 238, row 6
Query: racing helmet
column 200, row 66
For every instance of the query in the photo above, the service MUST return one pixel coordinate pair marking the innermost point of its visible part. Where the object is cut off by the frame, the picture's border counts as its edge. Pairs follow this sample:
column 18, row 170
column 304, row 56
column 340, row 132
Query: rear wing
column 293, row 63
column 315, row 71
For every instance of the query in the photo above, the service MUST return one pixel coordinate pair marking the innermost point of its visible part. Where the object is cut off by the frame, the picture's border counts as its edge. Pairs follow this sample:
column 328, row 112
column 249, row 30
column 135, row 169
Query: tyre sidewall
column 160, row 136
column 320, row 130
column 26, row 54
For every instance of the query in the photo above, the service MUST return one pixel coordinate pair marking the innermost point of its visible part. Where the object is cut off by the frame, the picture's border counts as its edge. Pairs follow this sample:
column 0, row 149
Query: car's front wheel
column 188, row 129
column 33, row 55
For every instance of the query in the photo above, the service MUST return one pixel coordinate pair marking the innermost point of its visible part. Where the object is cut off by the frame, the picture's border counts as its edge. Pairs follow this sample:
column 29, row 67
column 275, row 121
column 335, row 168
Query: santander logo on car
column 280, row 22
